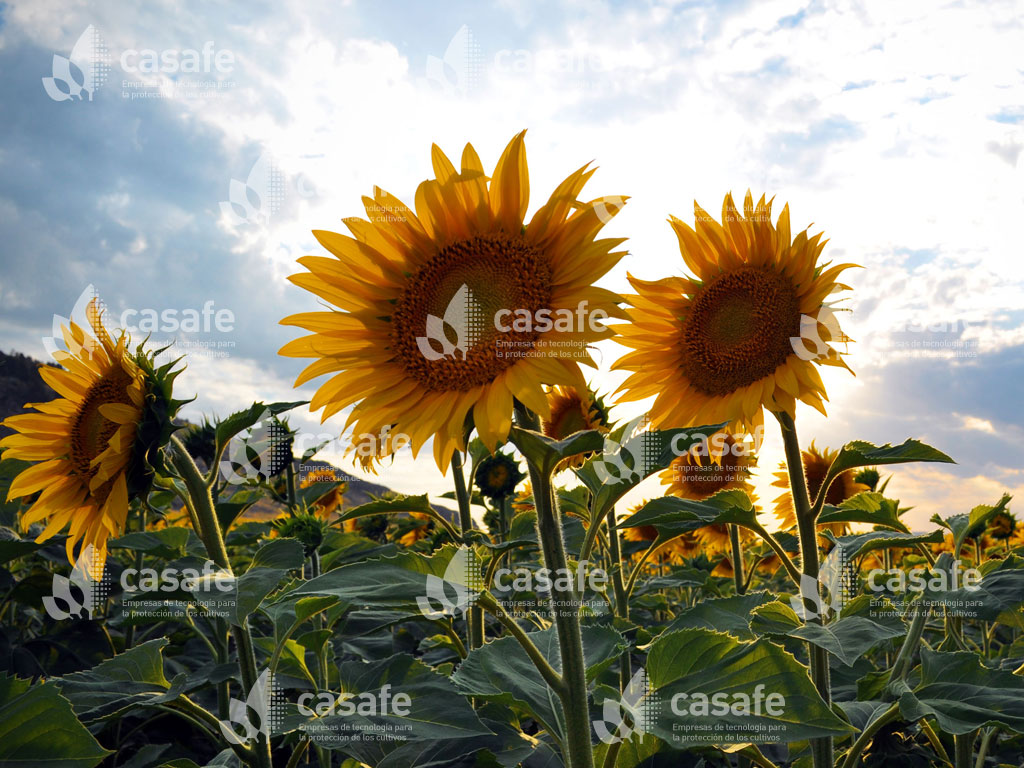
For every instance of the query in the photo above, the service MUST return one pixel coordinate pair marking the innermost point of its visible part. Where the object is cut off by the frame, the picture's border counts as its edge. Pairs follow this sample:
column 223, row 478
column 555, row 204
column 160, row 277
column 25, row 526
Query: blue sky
column 894, row 127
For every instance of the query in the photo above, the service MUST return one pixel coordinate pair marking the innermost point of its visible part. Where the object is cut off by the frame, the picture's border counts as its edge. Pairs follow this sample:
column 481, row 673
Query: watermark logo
column 607, row 207
column 254, row 454
column 90, row 309
column 57, row 344
column 257, row 714
column 87, row 578
column 457, row 590
column 257, row 198
column 920, row 579
column 634, row 712
column 139, row 580
column 459, row 72
column 638, row 443
column 464, row 317
column 826, row 595
column 85, row 70
column 809, row 326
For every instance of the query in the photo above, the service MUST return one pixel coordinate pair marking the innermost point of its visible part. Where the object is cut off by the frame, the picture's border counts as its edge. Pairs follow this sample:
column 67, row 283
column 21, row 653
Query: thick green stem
column 963, row 749
column 213, row 539
column 986, row 739
column 555, row 682
column 784, row 558
column 565, row 612
column 621, row 595
column 821, row 748
column 737, row 558
column 912, row 640
column 474, row 616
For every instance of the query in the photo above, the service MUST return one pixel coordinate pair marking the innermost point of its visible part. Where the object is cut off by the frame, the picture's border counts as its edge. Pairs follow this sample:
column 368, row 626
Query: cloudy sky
column 896, row 128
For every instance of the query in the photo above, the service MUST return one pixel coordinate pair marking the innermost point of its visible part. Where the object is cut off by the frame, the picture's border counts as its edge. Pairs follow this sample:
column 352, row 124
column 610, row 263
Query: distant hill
column 20, row 383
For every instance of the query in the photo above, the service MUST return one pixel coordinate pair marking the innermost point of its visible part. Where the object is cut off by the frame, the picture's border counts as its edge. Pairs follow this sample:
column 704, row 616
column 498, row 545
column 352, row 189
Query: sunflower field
column 151, row 619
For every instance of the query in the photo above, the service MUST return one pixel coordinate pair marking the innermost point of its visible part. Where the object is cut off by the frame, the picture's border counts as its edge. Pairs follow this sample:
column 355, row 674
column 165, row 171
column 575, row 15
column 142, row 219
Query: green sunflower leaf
column 546, row 453
column 866, row 507
column 712, row 689
column 727, row 614
column 410, row 703
column 962, row 694
column 501, row 671
column 972, row 524
column 860, row 453
column 38, row 727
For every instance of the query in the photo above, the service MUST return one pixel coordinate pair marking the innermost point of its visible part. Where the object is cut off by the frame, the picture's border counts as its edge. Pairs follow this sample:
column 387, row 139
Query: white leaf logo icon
column 458, row 72
column 462, row 317
column 457, row 590
column 86, row 576
column 86, row 69
column 240, row 713
column 638, row 701
column 612, row 467
column 266, row 183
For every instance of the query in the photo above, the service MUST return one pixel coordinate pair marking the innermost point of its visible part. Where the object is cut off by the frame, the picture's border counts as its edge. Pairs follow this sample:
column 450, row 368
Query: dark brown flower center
column 465, row 286
column 738, row 330
column 91, row 431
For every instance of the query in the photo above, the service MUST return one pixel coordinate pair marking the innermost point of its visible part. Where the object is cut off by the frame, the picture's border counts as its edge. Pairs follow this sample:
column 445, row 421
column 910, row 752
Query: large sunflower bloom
column 816, row 464
column 463, row 262
column 719, row 464
column 718, row 346
column 94, row 442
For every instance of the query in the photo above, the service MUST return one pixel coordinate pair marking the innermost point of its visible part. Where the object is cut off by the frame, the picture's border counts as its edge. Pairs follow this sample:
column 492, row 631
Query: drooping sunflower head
column 1002, row 525
column 869, row 477
column 200, row 441
column 745, row 333
column 497, row 476
column 98, row 443
column 720, row 463
column 816, row 464
column 574, row 410
column 309, row 529
column 446, row 314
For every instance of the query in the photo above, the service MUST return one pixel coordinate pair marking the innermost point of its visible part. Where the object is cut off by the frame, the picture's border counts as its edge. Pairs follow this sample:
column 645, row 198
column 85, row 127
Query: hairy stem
column 821, row 748
column 213, row 539
column 565, row 612
column 737, row 558
column 474, row 617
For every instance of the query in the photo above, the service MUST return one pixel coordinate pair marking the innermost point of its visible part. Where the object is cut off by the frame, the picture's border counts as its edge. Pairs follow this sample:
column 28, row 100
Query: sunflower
column 464, row 261
column 719, row 346
column 309, row 529
column 523, row 500
column 1002, row 526
column 96, row 442
column 816, row 463
column 415, row 528
column 497, row 476
column 720, row 463
column 326, row 505
column 573, row 410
